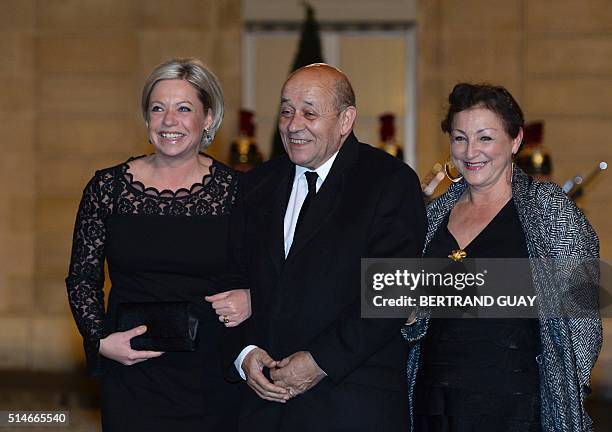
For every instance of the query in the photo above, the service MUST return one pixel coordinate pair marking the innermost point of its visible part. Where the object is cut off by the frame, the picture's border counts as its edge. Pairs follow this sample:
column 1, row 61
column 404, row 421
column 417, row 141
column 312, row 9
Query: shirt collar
column 322, row 171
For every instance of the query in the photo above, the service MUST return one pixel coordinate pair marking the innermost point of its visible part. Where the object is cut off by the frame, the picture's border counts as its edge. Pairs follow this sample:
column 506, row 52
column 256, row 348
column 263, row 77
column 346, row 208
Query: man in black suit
column 303, row 222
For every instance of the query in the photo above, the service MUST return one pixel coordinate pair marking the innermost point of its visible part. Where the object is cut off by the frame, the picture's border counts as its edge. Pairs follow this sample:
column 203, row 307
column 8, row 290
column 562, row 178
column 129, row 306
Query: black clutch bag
column 170, row 325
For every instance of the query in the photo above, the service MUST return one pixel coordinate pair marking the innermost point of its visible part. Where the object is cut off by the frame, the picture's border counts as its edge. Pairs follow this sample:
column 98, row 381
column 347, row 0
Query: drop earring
column 205, row 140
column 448, row 166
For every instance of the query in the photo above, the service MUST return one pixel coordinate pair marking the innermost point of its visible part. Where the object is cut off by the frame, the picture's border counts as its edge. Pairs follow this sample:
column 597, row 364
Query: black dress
column 480, row 374
column 160, row 246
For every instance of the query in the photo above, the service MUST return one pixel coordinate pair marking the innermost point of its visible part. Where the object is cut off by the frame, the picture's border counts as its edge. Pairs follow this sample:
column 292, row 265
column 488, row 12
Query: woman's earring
column 205, row 139
column 448, row 166
column 148, row 136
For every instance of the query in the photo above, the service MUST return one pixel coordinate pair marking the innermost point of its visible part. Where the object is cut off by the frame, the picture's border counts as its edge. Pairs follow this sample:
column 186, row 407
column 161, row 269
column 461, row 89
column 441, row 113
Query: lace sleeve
column 85, row 279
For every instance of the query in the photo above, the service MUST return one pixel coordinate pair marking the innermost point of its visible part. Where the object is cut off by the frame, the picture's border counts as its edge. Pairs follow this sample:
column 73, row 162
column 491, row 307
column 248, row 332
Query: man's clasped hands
column 289, row 377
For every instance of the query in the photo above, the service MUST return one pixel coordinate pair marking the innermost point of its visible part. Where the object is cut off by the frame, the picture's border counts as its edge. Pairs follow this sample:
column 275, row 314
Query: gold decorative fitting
column 458, row 255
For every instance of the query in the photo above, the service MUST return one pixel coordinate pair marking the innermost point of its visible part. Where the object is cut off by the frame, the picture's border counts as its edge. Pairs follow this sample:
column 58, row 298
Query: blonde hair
column 205, row 82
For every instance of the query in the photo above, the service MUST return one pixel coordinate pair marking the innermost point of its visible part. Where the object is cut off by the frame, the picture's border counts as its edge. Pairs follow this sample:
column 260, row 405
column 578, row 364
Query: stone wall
column 18, row 169
column 71, row 73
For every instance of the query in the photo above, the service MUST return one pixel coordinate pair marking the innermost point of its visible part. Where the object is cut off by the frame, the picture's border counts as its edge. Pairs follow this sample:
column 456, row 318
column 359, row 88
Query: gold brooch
column 458, row 255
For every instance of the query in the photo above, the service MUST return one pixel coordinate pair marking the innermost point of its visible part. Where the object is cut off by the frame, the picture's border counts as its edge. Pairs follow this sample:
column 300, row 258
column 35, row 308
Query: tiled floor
column 79, row 395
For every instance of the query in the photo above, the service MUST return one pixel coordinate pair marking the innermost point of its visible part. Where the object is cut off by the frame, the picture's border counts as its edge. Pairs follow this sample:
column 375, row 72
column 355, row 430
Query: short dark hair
column 495, row 98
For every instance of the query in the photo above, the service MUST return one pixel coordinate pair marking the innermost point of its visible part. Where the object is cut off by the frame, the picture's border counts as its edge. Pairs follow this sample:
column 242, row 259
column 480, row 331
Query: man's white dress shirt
column 299, row 190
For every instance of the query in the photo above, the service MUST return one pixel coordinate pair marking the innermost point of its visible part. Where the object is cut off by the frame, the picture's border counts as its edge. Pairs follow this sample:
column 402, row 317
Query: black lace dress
column 480, row 374
column 159, row 246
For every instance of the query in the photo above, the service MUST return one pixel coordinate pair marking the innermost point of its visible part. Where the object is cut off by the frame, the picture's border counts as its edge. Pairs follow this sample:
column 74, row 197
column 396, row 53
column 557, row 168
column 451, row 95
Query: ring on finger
column 225, row 319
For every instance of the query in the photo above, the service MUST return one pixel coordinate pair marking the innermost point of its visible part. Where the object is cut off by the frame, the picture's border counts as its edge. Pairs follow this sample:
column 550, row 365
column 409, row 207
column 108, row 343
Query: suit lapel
column 327, row 199
column 274, row 213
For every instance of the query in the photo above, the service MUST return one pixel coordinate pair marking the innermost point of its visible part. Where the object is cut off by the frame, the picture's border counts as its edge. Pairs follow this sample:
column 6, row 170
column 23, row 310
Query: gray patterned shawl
column 554, row 228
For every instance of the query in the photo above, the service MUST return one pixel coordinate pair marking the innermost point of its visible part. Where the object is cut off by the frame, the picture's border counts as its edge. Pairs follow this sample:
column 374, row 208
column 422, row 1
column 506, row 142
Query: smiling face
column 177, row 118
column 310, row 124
column 481, row 149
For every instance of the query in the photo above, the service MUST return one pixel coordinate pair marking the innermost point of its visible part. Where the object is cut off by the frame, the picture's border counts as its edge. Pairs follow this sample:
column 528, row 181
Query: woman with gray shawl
column 504, row 374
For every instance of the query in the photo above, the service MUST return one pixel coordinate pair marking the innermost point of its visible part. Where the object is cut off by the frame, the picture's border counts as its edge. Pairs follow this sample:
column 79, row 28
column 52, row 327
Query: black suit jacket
column 370, row 205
